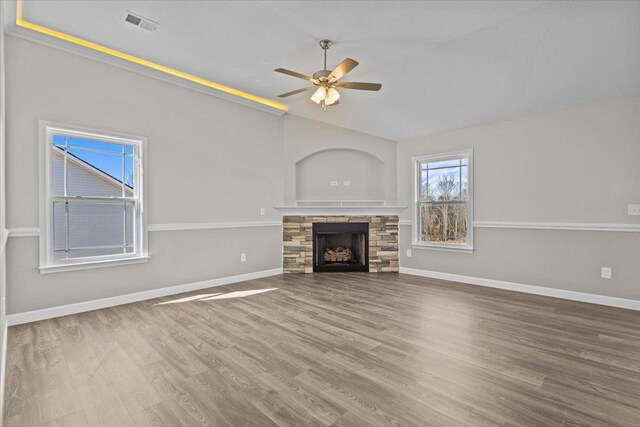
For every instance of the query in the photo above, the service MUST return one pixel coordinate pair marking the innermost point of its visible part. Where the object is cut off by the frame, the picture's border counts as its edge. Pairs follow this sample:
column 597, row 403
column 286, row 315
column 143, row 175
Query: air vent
column 140, row 21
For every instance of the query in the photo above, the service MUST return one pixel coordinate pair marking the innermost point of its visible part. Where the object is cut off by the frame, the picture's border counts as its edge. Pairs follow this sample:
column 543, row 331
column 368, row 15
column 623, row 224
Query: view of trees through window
column 443, row 201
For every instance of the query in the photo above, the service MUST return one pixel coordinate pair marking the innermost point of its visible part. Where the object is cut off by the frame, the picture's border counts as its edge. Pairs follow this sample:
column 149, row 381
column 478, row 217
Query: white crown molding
column 35, row 231
column 64, row 310
column 528, row 289
column 212, row 225
column 569, row 226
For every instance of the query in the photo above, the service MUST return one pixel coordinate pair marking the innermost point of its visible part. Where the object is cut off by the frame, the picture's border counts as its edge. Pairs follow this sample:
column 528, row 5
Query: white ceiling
column 443, row 65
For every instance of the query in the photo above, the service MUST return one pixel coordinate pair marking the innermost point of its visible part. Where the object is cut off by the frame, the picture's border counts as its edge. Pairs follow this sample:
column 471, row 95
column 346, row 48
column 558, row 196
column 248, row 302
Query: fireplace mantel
column 341, row 208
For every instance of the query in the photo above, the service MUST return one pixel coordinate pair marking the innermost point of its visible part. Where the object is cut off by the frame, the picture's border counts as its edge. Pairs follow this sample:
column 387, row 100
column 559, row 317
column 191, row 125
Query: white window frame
column 47, row 263
column 415, row 161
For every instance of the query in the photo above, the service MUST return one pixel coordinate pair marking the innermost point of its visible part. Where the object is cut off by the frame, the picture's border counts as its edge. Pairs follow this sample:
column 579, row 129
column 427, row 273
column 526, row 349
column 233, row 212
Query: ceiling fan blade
column 343, row 68
column 293, row 92
column 293, row 73
column 359, row 85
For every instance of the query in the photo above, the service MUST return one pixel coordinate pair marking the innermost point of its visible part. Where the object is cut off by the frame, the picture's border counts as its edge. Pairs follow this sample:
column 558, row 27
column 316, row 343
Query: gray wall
column 363, row 173
column 209, row 160
column 574, row 166
column 304, row 138
column 177, row 257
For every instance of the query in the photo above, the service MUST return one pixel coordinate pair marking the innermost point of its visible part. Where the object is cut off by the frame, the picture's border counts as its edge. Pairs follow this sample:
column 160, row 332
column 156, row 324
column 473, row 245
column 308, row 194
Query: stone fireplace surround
column 297, row 239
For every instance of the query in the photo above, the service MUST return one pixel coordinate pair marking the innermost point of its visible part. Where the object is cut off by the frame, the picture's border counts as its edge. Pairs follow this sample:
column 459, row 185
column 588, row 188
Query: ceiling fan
column 325, row 82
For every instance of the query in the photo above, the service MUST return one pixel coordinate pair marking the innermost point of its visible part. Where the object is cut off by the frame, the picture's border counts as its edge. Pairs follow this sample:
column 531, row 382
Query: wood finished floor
column 350, row 349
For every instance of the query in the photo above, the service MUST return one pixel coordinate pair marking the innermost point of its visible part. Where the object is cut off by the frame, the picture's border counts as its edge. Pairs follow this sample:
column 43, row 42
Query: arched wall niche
column 359, row 176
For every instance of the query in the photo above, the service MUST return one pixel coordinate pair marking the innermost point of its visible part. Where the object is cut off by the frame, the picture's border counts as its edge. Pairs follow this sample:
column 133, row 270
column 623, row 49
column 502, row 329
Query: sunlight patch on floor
column 219, row 295
column 239, row 294
column 187, row 299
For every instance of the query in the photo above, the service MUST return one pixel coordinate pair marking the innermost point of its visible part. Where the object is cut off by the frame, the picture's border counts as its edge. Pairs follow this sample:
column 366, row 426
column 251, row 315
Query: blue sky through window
column 431, row 173
column 108, row 160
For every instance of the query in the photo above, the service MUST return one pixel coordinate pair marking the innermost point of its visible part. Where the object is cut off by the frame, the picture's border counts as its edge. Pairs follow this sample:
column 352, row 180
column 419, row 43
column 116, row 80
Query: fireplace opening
column 340, row 247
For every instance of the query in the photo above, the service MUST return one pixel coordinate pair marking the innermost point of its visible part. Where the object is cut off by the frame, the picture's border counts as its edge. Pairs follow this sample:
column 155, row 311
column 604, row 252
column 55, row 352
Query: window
column 443, row 211
column 92, row 204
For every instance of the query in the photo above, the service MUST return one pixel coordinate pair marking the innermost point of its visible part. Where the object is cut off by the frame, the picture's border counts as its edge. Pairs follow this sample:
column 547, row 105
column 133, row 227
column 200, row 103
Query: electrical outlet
column 346, row 183
column 634, row 210
column 243, row 257
column 606, row 273
column 334, row 183
column 409, row 253
column 263, row 211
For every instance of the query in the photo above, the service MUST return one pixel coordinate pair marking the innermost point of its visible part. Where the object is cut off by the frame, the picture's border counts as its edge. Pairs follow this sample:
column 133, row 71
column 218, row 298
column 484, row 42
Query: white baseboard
column 528, row 289
column 64, row 310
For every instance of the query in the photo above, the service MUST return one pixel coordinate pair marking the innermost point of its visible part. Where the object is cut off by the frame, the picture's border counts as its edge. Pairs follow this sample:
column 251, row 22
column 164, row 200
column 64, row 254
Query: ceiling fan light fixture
column 319, row 95
column 325, row 81
column 332, row 96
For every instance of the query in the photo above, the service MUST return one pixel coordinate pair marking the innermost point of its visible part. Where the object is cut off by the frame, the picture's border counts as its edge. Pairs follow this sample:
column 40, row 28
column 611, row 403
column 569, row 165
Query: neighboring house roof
column 93, row 170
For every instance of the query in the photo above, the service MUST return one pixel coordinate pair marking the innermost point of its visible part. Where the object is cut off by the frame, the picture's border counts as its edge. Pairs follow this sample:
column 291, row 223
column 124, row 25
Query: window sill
column 443, row 248
column 59, row 268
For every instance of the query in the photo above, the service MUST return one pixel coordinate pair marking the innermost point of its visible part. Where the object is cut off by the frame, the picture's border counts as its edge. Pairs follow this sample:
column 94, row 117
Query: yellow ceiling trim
column 167, row 70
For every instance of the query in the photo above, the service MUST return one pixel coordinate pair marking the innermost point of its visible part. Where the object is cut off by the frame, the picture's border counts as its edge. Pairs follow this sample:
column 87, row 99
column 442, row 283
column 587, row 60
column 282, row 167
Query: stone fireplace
column 355, row 243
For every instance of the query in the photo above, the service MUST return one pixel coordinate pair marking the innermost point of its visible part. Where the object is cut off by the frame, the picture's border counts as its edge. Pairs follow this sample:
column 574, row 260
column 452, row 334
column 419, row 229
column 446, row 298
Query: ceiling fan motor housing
column 322, row 75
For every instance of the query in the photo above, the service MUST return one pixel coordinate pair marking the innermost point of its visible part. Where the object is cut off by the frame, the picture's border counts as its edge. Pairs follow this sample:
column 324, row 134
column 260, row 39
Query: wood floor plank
column 26, row 414
column 346, row 349
column 350, row 420
column 100, row 401
column 162, row 414
column 306, row 399
column 76, row 419
column 191, row 409
column 133, row 389
column 20, row 385
column 56, row 392
column 232, row 407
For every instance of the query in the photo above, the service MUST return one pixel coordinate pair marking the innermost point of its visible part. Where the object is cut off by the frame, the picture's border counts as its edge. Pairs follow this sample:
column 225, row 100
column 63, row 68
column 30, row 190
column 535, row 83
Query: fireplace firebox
column 340, row 247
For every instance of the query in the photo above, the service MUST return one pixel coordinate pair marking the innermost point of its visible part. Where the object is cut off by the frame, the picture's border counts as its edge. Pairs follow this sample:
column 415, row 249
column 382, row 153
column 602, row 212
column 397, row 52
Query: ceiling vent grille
column 140, row 21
